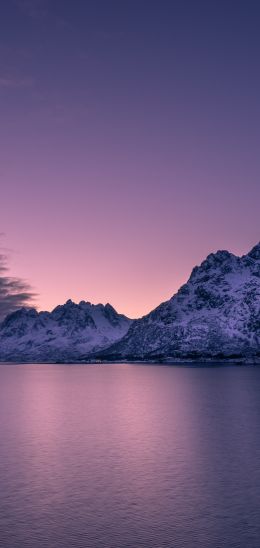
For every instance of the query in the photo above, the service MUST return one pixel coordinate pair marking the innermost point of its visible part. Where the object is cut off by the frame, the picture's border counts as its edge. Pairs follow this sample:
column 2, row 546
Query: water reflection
column 120, row 455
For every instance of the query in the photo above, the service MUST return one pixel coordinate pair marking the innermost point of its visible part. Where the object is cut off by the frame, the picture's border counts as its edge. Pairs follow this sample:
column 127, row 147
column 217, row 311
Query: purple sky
column 129, row 136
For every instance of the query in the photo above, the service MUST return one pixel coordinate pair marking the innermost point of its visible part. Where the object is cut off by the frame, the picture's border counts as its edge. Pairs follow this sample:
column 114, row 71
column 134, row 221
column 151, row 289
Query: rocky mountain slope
column 215, row 314
column 68, row 332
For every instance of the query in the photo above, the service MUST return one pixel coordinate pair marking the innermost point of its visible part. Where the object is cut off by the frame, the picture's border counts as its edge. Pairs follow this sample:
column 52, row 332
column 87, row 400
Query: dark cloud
column 14, row 292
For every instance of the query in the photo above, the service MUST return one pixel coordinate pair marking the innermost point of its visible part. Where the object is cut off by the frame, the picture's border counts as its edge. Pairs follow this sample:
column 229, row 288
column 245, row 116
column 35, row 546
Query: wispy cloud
column 14, row 292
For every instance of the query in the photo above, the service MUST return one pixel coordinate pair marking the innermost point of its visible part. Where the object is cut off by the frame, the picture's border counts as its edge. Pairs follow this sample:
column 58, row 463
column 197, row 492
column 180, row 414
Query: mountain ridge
column 67, row 332
column 216, row 313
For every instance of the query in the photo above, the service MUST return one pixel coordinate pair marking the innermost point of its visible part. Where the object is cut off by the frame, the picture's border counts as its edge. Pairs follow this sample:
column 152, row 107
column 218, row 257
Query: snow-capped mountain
column 216, row 313
column 69, row 332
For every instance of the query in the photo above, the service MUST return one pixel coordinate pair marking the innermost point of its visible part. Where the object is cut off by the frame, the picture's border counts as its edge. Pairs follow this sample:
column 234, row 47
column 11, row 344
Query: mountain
column 69, row 332
column 215, row 314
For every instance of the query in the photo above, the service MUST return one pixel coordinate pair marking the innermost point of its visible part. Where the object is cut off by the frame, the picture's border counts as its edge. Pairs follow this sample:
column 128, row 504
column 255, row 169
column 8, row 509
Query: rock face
column 69, row 332
column 215, row 314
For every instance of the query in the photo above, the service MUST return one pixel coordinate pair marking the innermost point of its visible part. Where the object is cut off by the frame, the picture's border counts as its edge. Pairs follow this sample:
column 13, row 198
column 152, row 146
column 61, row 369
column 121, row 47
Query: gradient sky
column 129, row 143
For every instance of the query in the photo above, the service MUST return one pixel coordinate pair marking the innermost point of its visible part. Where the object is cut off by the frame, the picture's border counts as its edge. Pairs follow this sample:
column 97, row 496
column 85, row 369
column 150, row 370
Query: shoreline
column 209, row 362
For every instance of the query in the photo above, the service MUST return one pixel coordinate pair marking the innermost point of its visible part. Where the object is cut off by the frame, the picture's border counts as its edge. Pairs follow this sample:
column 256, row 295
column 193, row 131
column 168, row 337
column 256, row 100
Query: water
column 120, row 456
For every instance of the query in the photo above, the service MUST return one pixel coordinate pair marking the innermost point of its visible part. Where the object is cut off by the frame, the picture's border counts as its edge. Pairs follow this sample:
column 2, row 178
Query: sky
column 129, row 144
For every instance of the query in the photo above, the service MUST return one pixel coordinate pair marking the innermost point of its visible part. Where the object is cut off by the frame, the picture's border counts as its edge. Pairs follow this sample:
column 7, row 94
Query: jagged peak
column 109, row 306
column 255, row 252
column 71, row 309
column 20, row 314
column 69, row 302
column 24, row 311
column 218, row 257
column 213, row 260
column 84, row 303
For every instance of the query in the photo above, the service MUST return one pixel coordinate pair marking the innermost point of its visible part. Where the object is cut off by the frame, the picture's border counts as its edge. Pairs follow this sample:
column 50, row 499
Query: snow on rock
column 215, row 314
column 69, row 332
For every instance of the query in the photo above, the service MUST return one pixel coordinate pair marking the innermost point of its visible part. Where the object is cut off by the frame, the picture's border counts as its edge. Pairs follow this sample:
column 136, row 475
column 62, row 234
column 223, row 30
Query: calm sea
column 116, row 456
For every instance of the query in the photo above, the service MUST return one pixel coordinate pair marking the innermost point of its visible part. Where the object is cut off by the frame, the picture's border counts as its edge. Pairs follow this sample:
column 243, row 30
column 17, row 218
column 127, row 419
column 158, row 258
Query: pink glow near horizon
column 126, row 159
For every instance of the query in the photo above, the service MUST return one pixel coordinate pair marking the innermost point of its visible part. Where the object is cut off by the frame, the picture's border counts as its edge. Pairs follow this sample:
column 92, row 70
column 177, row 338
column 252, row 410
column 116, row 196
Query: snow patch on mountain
column 216, row 313
column 70, row 331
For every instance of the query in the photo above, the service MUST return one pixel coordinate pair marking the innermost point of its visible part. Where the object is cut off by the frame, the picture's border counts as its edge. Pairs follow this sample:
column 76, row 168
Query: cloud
column 14, row 292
